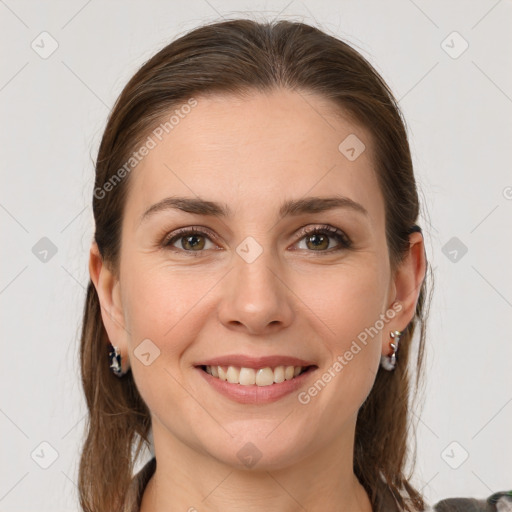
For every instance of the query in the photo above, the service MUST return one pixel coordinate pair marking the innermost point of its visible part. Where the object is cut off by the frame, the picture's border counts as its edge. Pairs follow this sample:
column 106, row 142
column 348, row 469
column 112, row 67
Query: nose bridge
column 255, row 296
column 253, row 266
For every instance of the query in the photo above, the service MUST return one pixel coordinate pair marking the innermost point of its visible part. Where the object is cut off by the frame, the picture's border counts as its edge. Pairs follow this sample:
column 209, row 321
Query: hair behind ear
column 117, row 417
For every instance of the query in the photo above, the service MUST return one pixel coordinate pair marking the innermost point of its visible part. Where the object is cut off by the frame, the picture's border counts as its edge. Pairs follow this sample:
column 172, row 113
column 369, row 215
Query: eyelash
column 343, row 240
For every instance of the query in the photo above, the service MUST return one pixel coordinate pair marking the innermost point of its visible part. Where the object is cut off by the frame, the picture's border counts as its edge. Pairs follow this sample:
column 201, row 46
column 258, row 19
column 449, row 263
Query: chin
column 257, row 450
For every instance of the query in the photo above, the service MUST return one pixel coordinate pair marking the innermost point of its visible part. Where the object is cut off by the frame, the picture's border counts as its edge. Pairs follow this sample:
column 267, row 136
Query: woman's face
column 252, row 284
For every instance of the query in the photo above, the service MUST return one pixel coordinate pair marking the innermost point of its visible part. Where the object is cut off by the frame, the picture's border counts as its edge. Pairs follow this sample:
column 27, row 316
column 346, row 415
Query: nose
column 256, row 298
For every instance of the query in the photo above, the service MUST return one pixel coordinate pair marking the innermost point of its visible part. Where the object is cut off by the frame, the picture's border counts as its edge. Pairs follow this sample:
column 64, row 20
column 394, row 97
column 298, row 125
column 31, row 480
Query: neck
column 188, row 480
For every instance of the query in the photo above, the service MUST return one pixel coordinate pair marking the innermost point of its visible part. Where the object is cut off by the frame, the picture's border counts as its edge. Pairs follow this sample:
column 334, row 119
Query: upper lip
column 240, row 360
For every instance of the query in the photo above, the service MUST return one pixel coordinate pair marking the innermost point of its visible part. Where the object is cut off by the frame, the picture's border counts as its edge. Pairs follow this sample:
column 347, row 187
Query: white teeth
column 279, row 374
column 265, row 377
column 288, row 373
column 233, row 375
column 250, row 377
column 247, row 376
column 222, row 373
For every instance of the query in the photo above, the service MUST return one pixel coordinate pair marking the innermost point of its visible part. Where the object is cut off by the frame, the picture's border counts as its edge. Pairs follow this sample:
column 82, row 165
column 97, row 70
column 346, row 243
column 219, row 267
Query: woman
column 257, row 275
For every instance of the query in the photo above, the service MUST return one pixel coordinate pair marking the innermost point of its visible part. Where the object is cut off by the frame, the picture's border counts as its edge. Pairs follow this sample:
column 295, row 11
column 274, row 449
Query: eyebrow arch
column 291, row 207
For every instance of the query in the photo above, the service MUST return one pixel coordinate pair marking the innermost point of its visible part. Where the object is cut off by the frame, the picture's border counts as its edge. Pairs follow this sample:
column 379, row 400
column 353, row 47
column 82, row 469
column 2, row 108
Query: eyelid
column 346, row 242
column 181, row 232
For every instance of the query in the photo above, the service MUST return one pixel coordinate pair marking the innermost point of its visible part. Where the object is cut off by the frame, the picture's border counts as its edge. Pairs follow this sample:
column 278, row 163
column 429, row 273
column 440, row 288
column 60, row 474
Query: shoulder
column 497, row 502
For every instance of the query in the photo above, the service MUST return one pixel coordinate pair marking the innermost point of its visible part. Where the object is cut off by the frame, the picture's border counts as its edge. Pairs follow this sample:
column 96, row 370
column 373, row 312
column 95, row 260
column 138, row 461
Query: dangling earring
column 389, row 362
column 114, row 357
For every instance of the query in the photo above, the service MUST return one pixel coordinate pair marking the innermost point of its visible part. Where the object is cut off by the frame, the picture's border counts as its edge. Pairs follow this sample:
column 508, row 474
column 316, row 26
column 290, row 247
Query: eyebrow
column 291, row 207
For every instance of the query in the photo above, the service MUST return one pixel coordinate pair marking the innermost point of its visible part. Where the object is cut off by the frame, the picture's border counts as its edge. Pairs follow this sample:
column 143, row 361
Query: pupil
column 316, row 239
column 190, row 241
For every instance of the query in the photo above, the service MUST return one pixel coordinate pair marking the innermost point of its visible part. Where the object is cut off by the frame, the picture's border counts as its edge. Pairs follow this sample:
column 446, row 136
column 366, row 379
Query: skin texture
column 295, row 299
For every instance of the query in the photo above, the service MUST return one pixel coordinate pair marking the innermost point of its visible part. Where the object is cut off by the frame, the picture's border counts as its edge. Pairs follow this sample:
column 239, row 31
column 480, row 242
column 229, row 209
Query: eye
column 195, row 240
column 317, row 238
column 192, row 240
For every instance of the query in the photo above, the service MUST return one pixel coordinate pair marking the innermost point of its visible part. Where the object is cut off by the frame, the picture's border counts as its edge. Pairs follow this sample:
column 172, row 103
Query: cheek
column 346, row 299
column 165, row 305
column 349, row 305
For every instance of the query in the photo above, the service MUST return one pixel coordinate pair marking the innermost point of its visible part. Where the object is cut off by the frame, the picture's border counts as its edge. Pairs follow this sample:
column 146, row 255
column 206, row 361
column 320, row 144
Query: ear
column 406, row 286
column 109, row 294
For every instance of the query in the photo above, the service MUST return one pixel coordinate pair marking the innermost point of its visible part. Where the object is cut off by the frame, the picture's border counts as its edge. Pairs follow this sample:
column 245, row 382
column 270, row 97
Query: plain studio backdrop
column 63, row 65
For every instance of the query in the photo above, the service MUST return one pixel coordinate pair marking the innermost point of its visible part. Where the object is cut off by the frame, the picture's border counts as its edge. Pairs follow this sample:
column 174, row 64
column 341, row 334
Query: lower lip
column 256, row 394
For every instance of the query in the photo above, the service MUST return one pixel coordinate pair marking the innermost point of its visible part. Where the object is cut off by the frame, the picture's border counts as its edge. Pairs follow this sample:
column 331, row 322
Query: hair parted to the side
column 239, row 57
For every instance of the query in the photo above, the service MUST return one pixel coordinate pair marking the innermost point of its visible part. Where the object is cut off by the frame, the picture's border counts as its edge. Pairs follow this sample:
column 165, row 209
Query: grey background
column 53, row 110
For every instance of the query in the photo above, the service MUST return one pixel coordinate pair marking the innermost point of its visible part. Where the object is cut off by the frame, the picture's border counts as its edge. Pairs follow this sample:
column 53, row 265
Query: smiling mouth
column 266, row 376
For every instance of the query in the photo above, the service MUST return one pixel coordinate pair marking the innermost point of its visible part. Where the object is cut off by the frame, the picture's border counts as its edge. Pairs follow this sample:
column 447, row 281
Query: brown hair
column 237, row 57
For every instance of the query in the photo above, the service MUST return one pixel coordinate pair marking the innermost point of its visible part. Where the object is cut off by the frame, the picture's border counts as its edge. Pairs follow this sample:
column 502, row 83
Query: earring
column 114, row 357
column 389, row 362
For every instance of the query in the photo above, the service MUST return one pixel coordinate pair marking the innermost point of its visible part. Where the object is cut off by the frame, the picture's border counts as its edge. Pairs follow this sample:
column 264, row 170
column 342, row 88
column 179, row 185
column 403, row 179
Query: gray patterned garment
column 497, row 502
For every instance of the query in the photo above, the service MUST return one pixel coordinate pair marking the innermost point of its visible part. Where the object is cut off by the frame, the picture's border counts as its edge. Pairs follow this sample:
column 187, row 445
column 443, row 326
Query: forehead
column 255, row 151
